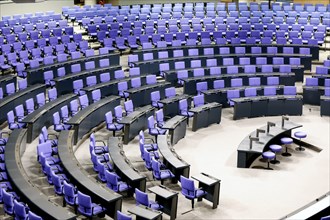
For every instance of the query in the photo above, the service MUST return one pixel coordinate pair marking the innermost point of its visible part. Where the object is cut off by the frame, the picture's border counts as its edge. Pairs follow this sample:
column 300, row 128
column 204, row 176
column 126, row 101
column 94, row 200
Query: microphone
column 259, row 131
column 252, row 139
column 270, row 124
column 284, row 118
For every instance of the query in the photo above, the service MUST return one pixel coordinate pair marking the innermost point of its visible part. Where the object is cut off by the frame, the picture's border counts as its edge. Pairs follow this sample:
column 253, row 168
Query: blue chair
column 159, row 174
column 122, row 216
column 8, row 202
column 114, row 183
column 189, row 190
column 20, row 210
column 153, row 129
column 97, row 148
column 111, row 124
column 87, row 208
column 33, row 216
column 70, row 195
column 142, row 199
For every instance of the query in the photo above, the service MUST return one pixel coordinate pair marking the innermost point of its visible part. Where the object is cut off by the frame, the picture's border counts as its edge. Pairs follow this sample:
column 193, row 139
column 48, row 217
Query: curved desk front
column 171, row 159
column 64, row 84
column 296, row 47
column 152, row 66
column 135, row 122
column 10, row 102
column 246, row 155
column 189, row 86
column 91, row 116
column 36, row 75
column 267, row 106
column 25, row 189
column 6, row 79
column 220, row 95
column 298, row 70
column 43, row 116
column 123, row 166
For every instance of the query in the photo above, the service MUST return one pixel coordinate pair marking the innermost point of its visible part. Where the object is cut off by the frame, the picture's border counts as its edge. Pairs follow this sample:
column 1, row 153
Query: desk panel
column 6, row 79
column 205, row 115
column 26, row 190
column 136, row 121
column 171, row 105
column 79, row 177
column 91, row 116
column 325, row 106
column 177, row 128
column 10, row 102
column 44, row 116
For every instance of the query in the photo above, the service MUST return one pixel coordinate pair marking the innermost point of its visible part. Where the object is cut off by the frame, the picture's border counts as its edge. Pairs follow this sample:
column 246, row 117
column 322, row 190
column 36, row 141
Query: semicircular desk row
column 36, row 75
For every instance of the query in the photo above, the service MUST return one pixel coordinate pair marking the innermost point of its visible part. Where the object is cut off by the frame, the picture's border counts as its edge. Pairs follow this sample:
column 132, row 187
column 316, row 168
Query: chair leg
column 114, row 133
column 162, row 181
column 192, row 203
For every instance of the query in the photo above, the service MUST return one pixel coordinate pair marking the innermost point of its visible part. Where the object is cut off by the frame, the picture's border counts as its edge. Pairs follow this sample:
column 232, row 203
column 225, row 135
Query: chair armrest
column 52, row 134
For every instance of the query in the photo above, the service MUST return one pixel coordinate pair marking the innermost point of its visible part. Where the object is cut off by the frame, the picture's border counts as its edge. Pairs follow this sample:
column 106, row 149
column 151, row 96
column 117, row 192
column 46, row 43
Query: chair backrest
column 112, row 180
column 187, row 187
column 8, row 202
column 118, row 113
column 183, row 105
column 170, row 92
column 52, row 94
column 41, row 99
column 84, row 203
column 289, row 90
column 33, row 216
column 69, row 193
column 129, row 107
column 141, row 198
column 151, row 122
column 136, row 82
column 83, row 100
column 96, row 95
column 160, row 117
column 22, row 84
column 122, row 216
column 29, row 104
column 19, row 210
column 10, row 88
column 105, row 77
column 198, row 100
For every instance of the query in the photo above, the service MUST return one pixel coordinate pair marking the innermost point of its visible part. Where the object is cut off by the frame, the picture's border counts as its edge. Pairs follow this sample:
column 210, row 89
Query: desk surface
column 145, row 212
column 206, row 179
column 146, row 87
column 325, row 98
column 241, row 88
column 169, row 153
column 162, row 191
column 37, row 201
column 121, row 161
column 138, row 112
column 173, row 122
column 82, row 114
column 258, row 147
column 205, row 107
column 174, row 99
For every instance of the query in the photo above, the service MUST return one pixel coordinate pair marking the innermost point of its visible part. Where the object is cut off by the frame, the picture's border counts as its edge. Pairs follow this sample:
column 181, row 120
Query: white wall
column 11, row 8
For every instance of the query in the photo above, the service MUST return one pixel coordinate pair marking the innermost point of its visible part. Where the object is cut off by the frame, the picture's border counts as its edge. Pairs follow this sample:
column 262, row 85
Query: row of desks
column 10, row 102
column 267, row 106
column 314, row 49
column 36, row 75
column 172, row 77
column 189, row 87
column 26, row 190
column 152, row 66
